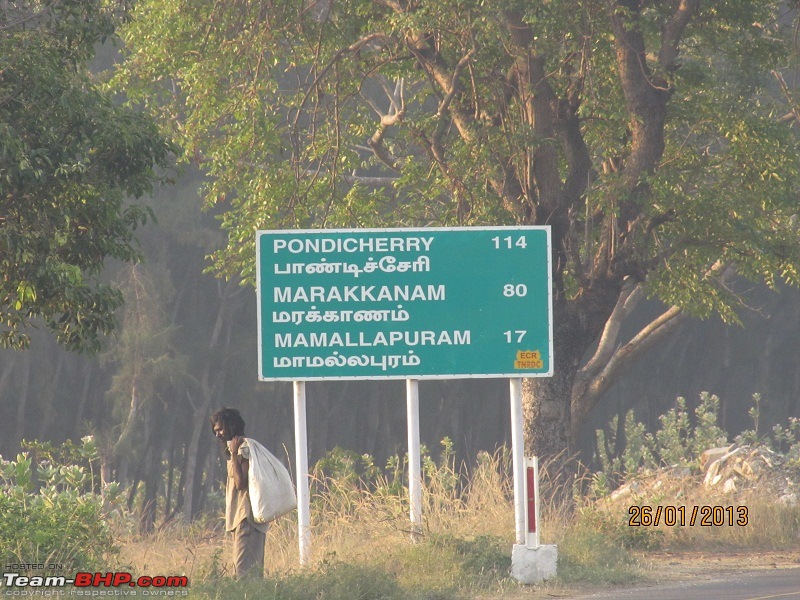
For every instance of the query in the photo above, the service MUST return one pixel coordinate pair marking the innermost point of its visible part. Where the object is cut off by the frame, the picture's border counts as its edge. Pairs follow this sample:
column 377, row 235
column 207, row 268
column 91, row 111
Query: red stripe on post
column 531, row 501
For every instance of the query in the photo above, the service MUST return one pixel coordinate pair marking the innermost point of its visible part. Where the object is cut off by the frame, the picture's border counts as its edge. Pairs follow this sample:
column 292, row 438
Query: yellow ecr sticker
column 528, row 359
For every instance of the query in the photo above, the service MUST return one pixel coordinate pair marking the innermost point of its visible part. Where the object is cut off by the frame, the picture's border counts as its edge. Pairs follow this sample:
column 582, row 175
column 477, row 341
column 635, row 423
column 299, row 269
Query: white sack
column 269, row 483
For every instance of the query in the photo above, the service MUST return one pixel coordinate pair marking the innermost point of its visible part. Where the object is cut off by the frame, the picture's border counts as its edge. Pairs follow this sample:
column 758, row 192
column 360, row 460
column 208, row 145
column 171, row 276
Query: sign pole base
column 533, row 565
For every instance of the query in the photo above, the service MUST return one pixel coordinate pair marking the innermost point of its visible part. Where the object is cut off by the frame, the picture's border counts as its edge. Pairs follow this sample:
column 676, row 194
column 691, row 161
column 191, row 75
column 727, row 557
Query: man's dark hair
column 230, row 418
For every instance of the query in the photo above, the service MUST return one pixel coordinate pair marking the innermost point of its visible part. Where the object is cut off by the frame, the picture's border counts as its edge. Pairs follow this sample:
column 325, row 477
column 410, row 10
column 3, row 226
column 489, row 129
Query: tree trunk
column 170, row 485
column 547, row 412
column 56, row 383
column 87, row 380
column 161, row 425
column 546, row 400
column 25, row 376
column 6, row 446
column 193, row 467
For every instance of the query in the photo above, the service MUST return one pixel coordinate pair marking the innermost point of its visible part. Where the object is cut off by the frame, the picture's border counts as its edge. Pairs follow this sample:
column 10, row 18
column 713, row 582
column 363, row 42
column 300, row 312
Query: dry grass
column 176, row 549
column 361, row 532
column 355, row 522
column 749, row 519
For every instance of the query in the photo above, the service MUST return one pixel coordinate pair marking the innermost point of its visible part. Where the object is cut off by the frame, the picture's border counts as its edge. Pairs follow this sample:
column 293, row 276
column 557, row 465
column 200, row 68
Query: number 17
column 520, row 333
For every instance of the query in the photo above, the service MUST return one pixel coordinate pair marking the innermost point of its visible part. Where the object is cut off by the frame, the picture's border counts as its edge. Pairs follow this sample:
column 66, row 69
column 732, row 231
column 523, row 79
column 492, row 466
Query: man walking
column 248, row 537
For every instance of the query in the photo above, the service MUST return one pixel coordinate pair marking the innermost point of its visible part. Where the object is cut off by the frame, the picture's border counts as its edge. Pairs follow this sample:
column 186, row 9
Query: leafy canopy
column 69, row 157
column 647, row 134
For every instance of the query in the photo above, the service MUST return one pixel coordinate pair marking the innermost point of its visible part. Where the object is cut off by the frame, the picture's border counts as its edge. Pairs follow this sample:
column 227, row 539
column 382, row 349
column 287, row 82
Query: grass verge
column 363, row 547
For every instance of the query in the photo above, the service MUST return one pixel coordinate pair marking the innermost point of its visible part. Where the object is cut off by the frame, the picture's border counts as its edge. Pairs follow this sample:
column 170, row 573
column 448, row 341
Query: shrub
column 49, row 510
column 681, row 438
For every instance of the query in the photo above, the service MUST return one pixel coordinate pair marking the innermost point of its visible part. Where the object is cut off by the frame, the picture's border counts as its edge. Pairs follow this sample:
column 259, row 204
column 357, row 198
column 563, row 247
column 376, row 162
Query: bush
column 49, row 510
column 679, row 441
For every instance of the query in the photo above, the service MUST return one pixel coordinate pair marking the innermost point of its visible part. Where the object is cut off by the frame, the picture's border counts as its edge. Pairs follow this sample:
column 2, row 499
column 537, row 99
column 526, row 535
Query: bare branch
column 454, row 87
column 627, row 354
column 629, row 298
column 794, row 114
column 673, row 33
column 397, row 110
column 585, row 397
column 15, row 17
column 351, row 49
column 373, row 182
column 393, row 4
column 604, row 369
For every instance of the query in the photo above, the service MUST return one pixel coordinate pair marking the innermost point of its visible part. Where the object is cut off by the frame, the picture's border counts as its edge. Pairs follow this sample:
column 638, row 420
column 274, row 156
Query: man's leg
column 248, row 550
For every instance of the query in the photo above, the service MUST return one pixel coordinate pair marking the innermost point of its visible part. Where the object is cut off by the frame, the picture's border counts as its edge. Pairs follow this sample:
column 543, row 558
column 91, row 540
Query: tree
column 69, row 157
column 646, row 134
column 143, row 387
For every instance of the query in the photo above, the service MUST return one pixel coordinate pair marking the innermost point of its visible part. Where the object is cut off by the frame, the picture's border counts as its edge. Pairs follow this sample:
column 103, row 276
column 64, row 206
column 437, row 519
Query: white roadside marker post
column 532, row 499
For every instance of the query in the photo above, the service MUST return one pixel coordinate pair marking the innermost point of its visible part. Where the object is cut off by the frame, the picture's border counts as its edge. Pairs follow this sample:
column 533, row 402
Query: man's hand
column 240, row 464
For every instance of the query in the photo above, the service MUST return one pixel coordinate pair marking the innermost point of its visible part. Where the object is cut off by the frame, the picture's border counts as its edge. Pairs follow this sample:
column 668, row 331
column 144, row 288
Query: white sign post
column 414, row 458
column 518, row 459
column 301, row 467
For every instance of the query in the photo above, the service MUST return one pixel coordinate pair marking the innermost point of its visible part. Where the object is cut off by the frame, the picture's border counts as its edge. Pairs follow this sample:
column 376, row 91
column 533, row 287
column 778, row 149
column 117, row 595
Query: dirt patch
column 676, row 566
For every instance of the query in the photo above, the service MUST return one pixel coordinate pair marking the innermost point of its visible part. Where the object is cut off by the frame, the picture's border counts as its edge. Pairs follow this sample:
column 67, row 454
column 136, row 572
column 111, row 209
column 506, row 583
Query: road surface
column 774, row 584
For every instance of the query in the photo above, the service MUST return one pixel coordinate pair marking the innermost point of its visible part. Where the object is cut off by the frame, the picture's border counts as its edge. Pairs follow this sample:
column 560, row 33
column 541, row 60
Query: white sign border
column 545, row 228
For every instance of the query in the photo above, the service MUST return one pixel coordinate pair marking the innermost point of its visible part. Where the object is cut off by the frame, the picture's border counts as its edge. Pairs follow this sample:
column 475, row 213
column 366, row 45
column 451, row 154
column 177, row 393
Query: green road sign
column 404, row 303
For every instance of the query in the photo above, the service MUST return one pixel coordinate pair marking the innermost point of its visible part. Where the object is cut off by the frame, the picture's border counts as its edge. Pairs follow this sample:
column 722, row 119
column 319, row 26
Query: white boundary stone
column 533, row 565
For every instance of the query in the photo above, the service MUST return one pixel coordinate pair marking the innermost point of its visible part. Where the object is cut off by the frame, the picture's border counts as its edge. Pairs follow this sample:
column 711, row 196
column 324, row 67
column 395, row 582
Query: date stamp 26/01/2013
column 671, row 515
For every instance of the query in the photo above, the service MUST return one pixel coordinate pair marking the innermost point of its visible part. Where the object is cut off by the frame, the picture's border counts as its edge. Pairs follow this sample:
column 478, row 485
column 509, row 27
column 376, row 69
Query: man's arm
column 240, row 464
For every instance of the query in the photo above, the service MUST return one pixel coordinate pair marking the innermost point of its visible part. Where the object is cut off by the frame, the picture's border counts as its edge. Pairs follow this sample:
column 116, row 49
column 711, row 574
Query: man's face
column 221, row 433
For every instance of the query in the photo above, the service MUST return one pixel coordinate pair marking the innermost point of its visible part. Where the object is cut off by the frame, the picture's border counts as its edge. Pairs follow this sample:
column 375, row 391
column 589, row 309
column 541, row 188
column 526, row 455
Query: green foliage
column 343, row 478
column 49, row 509
column 144, row 354
column 69, row 157
column 784, row 439
column 680, row 439
column 365, row 113
column 441, row 479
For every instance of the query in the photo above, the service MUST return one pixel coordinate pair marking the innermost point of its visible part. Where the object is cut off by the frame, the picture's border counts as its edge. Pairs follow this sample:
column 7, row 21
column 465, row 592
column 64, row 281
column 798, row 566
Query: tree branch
column 397, row 110
column 441, row 75
column 393, row 4
column 586, row 396
column 673, row 33
column 629, row 298
column 22, row 17
column 606, row 367
column 794, row 114
column 352, row 48
column 373, row 182
column 454, row 87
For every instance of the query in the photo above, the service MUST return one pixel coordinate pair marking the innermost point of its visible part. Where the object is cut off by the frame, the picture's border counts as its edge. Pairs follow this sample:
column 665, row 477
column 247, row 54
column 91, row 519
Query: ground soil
column 671, row 566
column 663, row 568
